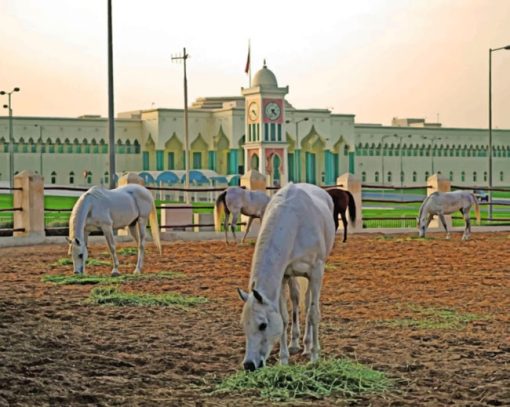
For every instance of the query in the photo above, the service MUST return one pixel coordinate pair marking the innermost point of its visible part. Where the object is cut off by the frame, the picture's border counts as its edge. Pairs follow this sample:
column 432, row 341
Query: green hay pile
column 66, row 261
column 334, row 377
column 90, row 279
column 436, row 318
column 113, row 296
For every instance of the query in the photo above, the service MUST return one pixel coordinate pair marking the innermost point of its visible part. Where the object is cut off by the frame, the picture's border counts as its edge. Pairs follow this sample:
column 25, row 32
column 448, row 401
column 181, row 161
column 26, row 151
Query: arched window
column 137, row 147
column 53, row 177
column 501, row 176
column 69, row 146
column 364, row 176
column 95, row 147
column 71, row 177
column 414, row 176
column 60, row 147
column 106, row 178
column 451, row 176
column 376, row 176
column 389, row 177
column 463, row 176
column 104, row 146
column 86, row 146
column 128, row 147
column 401, row 176
column 33, row 146
column 77, row 146
column 485, row 176
column 474, row 176
column 426, row 176
column 89, row 177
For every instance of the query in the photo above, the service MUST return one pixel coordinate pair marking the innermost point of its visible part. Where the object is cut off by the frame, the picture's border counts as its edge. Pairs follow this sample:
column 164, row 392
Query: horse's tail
column 219, row 208
column 153, row 220
column 352, row 208
column 477, row 208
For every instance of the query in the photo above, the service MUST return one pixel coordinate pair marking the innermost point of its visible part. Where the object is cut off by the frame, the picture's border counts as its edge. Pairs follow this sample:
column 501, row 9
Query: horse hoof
column 137, row 271
column 115, row 273
column 293, row 350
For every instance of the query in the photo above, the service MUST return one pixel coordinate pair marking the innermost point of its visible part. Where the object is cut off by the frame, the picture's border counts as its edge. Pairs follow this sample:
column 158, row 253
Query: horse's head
column 78, row 250
column 262, row 324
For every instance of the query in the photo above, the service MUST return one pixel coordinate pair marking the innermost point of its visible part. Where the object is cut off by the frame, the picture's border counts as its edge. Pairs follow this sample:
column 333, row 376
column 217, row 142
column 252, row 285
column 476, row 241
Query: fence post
column 129, row 178
column 352, row 183
column 253, row 181
column 30, row 198
column 439, row 183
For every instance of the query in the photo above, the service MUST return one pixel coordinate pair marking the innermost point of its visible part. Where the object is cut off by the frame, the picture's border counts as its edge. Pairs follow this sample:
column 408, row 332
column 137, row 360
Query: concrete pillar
column 129, row 178
column 439, row 183
column 253, row 181
column 31, row 200
column 352, row 183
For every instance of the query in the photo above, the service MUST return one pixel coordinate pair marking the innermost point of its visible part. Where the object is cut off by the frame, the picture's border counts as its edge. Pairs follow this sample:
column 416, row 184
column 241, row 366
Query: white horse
column 296, row 236
column 130, row 205
column 445, row 203
column 237, row 200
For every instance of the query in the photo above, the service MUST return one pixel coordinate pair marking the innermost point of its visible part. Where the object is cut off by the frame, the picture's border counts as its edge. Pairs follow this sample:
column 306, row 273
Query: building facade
column 259, row 129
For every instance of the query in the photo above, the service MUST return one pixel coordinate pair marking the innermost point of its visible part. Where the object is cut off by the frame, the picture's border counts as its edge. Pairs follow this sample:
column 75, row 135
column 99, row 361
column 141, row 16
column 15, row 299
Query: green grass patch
column 89, row 279
column 333, row 377
column 127, row 251
column 66, row 261
column 435, row 318
column 113, row 296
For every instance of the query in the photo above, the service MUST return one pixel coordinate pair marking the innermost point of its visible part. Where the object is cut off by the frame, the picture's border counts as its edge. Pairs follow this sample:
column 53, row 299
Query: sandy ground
column 57, row 349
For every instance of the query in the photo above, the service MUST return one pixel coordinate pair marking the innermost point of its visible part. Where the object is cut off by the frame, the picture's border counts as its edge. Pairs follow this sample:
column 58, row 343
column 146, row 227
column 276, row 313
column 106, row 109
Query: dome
column 265, row 77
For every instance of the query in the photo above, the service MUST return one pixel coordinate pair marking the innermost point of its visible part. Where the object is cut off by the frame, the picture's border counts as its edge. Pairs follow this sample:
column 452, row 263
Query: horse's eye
column 263, row 326
column 80, row 256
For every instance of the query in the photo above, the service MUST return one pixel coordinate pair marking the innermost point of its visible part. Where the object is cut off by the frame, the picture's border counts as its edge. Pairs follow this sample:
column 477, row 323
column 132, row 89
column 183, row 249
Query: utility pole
column 111, row 117
column 184, row 57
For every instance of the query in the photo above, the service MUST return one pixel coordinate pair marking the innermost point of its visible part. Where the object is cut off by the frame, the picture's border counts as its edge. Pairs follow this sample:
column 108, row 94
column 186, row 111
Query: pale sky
column 373, row 58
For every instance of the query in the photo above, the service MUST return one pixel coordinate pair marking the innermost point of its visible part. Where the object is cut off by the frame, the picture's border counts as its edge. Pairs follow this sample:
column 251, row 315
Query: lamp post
column 41, row 149
column 432, row 140
column 297, row 171
column 382, row 158
column 184, row 58
column 490, row 124
column 401, row 175
column 11, row 137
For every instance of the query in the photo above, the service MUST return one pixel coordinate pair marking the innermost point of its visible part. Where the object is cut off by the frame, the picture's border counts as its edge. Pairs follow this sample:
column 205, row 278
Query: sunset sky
column 374, row 58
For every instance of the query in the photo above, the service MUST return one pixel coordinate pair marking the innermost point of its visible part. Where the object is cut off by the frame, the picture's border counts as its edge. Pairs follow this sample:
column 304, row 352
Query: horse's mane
column 79, row 212
column 425, row 201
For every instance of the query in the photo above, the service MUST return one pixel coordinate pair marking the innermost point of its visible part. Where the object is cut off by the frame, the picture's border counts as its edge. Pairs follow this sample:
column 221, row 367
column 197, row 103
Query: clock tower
column 265, row 148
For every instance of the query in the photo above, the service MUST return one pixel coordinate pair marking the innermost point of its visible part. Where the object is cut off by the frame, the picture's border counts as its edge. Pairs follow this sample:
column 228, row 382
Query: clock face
column 272, row 111
column 253, row 111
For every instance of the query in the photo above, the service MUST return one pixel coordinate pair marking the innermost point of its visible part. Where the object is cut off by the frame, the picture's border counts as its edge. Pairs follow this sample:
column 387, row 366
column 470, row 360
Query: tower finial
column 265, row 65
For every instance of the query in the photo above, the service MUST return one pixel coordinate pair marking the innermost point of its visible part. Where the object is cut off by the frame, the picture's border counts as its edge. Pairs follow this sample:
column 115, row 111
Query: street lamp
column 432, row 139
column 382, row 157
column 41, row 149
column 400, row 138
column 490, row 124
column 297, row 171
column 11, row 137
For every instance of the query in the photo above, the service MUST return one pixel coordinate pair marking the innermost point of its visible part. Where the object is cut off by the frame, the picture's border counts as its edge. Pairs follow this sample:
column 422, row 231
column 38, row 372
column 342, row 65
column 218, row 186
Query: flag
column 247, row 67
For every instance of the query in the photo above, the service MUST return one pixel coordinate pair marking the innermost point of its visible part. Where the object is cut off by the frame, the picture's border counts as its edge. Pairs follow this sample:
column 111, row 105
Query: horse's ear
column 242, row 294
column 258, row 297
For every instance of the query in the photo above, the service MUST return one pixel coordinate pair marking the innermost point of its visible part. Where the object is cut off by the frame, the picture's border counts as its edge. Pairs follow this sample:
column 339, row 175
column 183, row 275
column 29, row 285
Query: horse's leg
column 314, row 314
column 108, row 234
column 307, row 338
column 234, row 224
column 344, row 222
column 443, row 221
column 467, row 229
column 250, row 220
column 225, row 223
column 294, row 298
column 284, row 350
column 140, row 229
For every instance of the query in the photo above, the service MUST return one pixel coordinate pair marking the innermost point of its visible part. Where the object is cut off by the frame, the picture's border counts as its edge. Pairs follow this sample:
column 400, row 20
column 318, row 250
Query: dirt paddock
column 57, row 349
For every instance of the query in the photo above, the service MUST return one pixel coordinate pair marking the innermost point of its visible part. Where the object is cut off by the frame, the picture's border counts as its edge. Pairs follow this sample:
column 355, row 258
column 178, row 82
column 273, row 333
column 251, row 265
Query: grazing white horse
column 296, row 236
column 445, row 203
column 237, row 200
column 129, row 205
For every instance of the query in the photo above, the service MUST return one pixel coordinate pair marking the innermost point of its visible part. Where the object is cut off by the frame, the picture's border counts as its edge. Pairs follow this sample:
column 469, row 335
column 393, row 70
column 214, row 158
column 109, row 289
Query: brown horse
column 342, row 200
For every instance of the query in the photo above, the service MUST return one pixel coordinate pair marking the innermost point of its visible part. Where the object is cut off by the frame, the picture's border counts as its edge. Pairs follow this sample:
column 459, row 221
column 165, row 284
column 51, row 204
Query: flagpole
column 249, row 52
